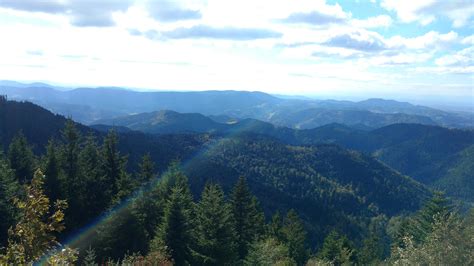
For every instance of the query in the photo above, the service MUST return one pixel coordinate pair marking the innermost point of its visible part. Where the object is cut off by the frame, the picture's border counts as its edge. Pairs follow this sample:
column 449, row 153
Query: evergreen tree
column 295, row 237
column 438, row 207
column 146, row 169
column 274, row 228
column 70, row 154
column 73, row 182
column 375, row 247
column 174, row 235
column 89, row 259
column 372, row 250
column 337, row 249
column 268, row 252
column 94, row 200
column 112, row 164
column 51, row 171
column 215, row 228
column 21, row 158
column 9, row 188
column 248, row 218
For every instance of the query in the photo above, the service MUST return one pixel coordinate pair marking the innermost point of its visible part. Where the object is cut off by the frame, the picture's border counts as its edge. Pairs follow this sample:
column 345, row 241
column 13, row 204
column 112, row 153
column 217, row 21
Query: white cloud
column 463, row 58
column 469, row 40
column 381, row 21
column 342, row 55
column 431, row 39
column 426, row 11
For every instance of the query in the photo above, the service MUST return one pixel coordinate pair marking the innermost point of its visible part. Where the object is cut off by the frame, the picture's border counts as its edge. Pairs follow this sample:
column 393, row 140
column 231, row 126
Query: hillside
column 323, row 183
column 427, row 153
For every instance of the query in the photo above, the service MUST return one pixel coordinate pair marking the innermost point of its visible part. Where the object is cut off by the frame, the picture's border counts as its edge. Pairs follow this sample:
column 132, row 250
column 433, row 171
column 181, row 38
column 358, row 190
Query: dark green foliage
column 215, row 233
column 174, row 235
column 146, row 170
column 51, row 170
column 294, row 236
column 21, row 158
column 337, row 249
column 274, row 228
column 94, row 200
column 9, row 189
column 328, row 186
column 376, row 245
column 248, row 218
column 421, row 224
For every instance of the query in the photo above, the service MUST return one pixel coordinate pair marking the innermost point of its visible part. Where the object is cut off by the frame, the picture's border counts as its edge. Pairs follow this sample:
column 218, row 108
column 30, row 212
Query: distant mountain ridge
column 88, row 105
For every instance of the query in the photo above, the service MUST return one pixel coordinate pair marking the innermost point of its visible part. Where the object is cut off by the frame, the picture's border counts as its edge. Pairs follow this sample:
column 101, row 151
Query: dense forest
column 87, row 197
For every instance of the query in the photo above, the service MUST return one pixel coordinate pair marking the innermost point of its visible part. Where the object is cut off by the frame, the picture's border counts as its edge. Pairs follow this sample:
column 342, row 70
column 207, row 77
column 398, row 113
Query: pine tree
column 274, row 228
column 147, row 207
column 89, row 259
column 146, row 169
column 215, row 228
column 9, row 188
column 94, row 200
column 376, row 245
column 295, row 237
column 112, row 164
column 337, row 249
column 73, row 183
column 438, row 207
column 70, row 153
column 174, row 235
column 248, row 218
column 21, row 158
column 51, row 171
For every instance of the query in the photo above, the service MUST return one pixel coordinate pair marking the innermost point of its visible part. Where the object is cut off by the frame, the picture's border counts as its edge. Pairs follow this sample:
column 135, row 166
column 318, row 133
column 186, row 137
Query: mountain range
column 327, row 184
column 89, row 105
column 436, row 156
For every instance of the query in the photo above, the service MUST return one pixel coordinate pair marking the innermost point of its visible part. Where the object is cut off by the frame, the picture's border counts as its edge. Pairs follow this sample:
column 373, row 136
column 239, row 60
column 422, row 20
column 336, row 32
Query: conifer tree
column 295, row 237
column 438, row 207
column 174, row 235
column 21, row 158
column 112, row 164
column 94, row 200
column 70, row 153
column 248, row 218
column 51, row 171
column 9, row 188
column 274, row 228
column 215, row 228
column 72, row 180
column 337, row 249
column 147, row 207
column 146, row 169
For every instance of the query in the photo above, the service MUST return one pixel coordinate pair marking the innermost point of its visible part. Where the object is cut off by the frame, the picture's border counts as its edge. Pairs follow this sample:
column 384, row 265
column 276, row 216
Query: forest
column 79, row 201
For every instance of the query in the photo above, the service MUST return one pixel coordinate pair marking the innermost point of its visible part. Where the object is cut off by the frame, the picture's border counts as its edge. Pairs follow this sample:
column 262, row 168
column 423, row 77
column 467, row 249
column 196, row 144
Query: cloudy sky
column 419, row 49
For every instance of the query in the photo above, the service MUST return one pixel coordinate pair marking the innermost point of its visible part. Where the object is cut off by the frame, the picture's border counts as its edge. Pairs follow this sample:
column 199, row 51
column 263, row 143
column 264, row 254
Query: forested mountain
column 88, row 105
column 336, row 181
column 432, row 155
column 316, row 117
column 320, row 203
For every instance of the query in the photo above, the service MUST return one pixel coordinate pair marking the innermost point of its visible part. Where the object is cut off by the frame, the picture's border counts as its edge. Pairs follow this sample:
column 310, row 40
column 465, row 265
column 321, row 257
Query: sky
column 401, row 49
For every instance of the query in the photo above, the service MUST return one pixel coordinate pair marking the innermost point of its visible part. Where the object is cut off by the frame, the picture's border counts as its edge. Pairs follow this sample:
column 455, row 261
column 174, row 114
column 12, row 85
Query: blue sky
column 403, row 49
